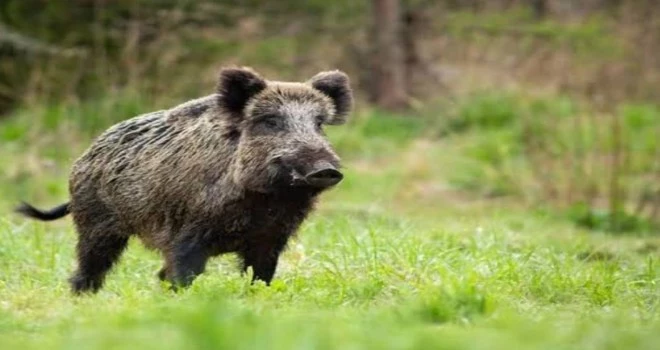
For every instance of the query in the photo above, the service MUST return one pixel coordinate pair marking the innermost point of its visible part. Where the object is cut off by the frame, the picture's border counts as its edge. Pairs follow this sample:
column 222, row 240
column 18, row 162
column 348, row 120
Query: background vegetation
column 502, row 188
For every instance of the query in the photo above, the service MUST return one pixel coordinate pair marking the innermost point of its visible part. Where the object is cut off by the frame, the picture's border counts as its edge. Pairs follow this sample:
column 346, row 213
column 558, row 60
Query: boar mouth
column 321, row 175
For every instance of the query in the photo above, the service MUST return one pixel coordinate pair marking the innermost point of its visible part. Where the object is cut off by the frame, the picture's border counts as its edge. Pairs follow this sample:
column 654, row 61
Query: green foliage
column 376, row 133
column 89, row 117
column 590, row 39
column 556, row 152
column 13, row 131
column 641, row 125
column 482, row 110
column 602, row 220
column 490, row 163
column 492, row 122
column 445, row 306
column 276, row 53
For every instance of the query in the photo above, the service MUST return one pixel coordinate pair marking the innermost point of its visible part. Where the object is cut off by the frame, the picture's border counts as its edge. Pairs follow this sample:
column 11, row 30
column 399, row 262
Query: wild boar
column 233, row 172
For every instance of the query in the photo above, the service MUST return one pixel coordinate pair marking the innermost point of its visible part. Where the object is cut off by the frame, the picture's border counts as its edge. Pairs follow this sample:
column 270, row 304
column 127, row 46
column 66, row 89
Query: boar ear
column 236, row 86
column 335, row 84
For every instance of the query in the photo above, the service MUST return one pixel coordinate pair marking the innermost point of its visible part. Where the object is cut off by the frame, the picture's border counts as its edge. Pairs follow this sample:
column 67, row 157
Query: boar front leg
column 262, row 256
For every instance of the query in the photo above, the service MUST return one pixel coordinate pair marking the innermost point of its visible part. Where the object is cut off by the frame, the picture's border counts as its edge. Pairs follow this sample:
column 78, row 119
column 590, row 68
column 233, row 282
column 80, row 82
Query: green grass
column 394, row 258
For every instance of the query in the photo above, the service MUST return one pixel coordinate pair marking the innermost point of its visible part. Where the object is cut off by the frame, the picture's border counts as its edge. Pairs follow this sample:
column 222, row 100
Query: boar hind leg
column 99, row 247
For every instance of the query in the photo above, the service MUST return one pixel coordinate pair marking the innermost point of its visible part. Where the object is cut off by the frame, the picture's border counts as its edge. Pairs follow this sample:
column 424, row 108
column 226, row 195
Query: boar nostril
column 324, row 177
column 326, row 174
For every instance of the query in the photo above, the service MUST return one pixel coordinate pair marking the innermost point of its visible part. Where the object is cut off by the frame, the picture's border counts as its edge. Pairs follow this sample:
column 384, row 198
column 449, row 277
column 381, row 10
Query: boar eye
column 319, row 121
column 271, row 121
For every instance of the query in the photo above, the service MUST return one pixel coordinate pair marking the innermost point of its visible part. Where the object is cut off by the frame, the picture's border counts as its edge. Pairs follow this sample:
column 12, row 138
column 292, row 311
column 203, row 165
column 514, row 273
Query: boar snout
column 321, row 175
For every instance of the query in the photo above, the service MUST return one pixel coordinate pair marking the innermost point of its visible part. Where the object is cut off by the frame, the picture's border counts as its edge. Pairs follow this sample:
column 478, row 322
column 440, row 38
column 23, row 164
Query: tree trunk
column 389, row 69
column 539, row 8
column 411, row 59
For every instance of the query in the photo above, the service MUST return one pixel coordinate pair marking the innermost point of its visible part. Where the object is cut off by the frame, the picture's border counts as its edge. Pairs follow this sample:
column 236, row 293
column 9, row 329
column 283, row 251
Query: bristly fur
column 207, row 177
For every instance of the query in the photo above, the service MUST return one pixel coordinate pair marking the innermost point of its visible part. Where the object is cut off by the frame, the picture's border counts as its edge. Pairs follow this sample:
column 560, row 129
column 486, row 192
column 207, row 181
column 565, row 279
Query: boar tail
column 43, row 215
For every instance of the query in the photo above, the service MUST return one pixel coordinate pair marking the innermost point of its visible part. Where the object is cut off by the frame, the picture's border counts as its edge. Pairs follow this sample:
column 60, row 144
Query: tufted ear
column 236, row 86
column 335, row 84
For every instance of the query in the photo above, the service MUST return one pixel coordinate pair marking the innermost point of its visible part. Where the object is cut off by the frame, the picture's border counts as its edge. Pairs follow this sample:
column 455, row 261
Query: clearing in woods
column 393, row 259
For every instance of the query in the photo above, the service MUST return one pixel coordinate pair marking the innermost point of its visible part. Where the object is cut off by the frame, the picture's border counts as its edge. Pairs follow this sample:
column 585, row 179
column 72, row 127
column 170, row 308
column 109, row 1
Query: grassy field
column 394, row 258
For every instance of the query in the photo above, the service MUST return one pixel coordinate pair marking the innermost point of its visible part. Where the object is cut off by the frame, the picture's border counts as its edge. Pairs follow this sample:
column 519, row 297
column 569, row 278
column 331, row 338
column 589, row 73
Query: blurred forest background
column 552, row 104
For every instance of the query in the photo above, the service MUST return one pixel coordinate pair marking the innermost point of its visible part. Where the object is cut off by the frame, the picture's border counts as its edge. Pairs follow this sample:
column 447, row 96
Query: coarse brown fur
column 222, row 173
